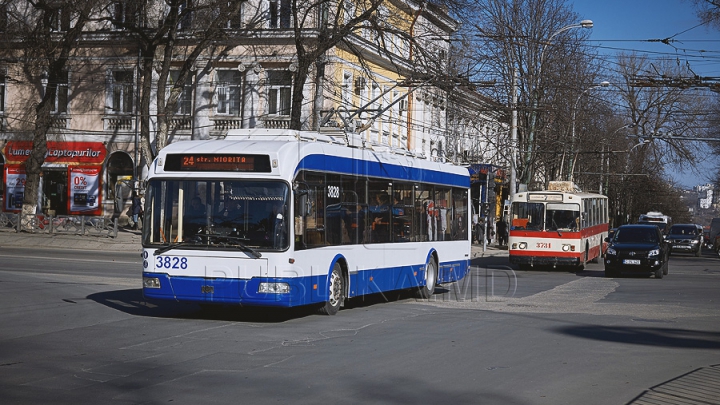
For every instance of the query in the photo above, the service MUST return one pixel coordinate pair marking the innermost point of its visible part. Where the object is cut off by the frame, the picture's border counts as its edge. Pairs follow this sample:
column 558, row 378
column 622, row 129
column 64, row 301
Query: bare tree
column 708, row 11
column 659, row 114
column 183, row 33
column 534, row 39
column 44, row 35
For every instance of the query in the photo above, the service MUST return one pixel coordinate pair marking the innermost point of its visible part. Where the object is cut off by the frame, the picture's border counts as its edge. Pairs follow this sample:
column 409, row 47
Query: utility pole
column 513, row 137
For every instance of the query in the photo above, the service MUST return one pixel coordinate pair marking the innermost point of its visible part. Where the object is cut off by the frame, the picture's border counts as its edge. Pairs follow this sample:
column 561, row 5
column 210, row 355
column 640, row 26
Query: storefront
column 71, row 180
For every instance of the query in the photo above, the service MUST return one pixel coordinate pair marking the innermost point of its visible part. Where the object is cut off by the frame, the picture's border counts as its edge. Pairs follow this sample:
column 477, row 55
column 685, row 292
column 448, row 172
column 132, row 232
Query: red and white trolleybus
column 557, row 228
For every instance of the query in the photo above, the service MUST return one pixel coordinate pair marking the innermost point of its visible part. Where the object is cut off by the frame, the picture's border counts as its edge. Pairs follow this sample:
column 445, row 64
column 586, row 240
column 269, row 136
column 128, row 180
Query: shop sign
column 70, row 153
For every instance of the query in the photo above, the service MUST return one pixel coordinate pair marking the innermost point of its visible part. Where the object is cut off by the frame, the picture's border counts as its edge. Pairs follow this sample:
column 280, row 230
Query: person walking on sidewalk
column 502, row 232
column 136, row 209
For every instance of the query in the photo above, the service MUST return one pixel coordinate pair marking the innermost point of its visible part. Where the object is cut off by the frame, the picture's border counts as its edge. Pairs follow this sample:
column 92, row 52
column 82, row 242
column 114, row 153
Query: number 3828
column 171, row 262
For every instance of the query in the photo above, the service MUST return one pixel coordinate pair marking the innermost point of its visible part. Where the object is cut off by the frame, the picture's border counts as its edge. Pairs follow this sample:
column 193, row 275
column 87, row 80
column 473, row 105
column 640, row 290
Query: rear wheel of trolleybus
column 431, row 273
column 336, row 293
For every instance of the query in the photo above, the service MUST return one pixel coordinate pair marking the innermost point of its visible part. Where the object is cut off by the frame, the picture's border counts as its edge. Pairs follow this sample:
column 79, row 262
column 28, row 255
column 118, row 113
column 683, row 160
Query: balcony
column 226, row 123
column 181, row 123
column 60, row 122
column 276, row 121
column 121, row 123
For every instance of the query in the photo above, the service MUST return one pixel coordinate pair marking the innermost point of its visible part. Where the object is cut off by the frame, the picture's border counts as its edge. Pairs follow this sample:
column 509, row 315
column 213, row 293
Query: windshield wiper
column 237, row 242
column 197, row 239
column 171, row 247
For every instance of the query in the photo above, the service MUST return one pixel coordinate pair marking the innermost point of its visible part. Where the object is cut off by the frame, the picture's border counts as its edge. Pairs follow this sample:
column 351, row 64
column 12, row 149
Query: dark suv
column 685, row 238
column 637, row 249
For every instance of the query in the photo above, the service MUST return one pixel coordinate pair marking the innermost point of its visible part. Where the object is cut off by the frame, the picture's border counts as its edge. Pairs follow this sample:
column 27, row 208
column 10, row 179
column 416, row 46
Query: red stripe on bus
column 584, row 233
column 545, row 254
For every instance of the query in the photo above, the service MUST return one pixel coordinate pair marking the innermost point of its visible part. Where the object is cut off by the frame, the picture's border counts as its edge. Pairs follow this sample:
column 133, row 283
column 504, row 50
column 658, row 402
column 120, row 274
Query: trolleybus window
column 218, row 213
column 341, row 209
column 529, row 216
column 562, row 217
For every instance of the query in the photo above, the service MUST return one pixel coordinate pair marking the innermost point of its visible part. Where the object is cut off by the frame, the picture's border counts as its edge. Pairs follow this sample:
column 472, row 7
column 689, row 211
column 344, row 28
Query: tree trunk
column 33, row 165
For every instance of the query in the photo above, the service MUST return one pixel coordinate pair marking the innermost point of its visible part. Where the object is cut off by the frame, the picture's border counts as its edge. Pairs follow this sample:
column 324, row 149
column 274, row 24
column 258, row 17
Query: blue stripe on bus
column 303, row 290
column 342, row 165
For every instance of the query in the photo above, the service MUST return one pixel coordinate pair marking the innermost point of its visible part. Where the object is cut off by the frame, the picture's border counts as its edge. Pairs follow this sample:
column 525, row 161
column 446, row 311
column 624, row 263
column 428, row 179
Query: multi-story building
column 379, row 82
column 705, row 195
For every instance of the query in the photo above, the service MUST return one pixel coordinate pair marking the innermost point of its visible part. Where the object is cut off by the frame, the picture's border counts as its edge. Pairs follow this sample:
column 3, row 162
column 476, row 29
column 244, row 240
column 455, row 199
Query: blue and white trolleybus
column 289, row 218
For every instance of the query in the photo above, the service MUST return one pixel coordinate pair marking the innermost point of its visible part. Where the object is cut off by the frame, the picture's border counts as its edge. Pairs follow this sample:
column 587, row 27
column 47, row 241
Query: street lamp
column 536, row 95
column 582, row 24
column 574, row 112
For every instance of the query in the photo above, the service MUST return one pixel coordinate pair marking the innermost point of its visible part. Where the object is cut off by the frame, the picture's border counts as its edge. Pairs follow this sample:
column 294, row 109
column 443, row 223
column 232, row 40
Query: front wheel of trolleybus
column 427, row 290
column 336, row 293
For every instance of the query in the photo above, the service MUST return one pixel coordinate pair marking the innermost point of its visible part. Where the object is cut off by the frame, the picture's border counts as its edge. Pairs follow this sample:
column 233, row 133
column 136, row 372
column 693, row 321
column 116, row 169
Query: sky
column 630, row 25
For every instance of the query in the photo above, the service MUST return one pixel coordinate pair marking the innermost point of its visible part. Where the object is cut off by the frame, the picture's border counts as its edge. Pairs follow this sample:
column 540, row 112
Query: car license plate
column 631, row 261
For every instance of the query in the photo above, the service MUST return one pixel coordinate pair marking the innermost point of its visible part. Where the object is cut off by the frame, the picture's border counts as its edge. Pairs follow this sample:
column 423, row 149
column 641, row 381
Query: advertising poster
column 14, row 177
column 84, row 191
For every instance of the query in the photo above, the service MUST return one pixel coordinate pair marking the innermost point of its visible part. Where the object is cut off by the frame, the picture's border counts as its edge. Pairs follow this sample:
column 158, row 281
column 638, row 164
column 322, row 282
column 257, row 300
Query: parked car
column 637, row 249
column 685, row 238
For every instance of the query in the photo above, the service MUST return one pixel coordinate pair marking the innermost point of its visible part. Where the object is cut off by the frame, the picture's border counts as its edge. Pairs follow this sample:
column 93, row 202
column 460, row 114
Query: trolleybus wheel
column 337, row 292
column 427, row 290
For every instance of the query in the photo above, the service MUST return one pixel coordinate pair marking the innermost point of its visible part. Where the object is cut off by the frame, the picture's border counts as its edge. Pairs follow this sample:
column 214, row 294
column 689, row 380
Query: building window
column 60, row 102
column 3, row 17
column 228, row 91
column 185, row 16
column 236, row 21
column 280, row 14
column 347, row 89
column 184, row 103
column 124, row 14
column 59, row 20
column 279, row 91
column 122, row 91
column 348, row 12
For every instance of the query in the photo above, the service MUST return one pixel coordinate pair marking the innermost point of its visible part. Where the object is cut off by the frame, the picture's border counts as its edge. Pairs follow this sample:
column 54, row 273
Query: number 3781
column 543, row 245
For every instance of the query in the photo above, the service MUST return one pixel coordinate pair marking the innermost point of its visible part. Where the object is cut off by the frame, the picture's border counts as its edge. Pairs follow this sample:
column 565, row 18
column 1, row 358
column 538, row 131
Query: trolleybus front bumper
column 544, row 260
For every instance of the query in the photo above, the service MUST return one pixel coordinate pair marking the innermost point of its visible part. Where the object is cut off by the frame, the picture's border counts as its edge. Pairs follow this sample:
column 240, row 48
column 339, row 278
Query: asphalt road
column 76, row 330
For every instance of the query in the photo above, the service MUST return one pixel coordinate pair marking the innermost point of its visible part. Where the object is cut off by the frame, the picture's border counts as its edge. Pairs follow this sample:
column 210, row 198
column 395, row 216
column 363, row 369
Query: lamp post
column 533, row 114
column 574, row 113
column 605, row 159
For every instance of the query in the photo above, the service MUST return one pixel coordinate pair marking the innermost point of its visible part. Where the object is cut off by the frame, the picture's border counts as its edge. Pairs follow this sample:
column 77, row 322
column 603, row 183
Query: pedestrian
column 502, row 232
column 476, row 228
column 136, row 209
column 490, row 231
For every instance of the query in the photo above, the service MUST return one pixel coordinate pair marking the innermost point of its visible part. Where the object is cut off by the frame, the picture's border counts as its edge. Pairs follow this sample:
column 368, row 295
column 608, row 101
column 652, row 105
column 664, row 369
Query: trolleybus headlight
column 522, row 245
column 565, row 248
column 151, row 282
column 274, row 288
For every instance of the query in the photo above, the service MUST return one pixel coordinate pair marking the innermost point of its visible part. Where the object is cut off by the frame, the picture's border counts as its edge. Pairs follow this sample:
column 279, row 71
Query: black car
column 637, row 249
column 685, row 238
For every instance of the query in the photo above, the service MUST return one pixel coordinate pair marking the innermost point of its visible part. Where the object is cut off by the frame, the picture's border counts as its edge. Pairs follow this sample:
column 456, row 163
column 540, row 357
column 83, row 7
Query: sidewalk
column 129, row 241
column 489, row 251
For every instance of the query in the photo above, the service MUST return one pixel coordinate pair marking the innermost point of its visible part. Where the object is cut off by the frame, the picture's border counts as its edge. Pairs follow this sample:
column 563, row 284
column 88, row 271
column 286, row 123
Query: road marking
column 70, row 259
column 582, row 296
